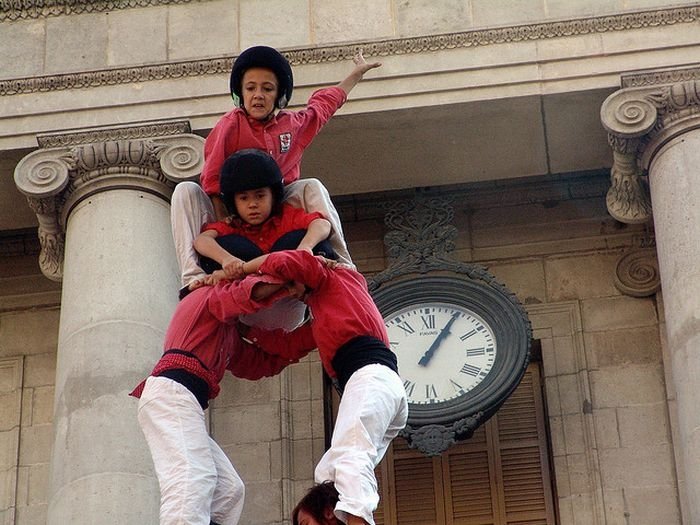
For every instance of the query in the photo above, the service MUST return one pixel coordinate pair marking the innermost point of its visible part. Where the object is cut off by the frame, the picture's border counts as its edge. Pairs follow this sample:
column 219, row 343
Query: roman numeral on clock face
column 428, row 321
column 407, row 328
column 410, row 386
column 470, row 370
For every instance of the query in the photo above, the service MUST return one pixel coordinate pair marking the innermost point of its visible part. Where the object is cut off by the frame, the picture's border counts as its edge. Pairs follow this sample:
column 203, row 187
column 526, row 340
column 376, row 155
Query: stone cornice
column 639, row 121
column 27, row 9
column 401, row 46
column 72, row 166
column 660, row 77
column 135, row 131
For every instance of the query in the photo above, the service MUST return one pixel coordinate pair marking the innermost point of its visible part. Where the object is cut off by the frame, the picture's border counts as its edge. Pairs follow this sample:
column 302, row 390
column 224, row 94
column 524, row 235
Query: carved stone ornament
column 22, row 9
column 433, row 440
column 56, row 179
column 637, row 273
column 639, row 121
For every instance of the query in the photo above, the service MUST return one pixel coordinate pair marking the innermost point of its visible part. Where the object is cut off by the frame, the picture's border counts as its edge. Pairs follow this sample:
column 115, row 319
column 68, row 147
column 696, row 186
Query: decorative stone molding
column 639, row 120
column 316, row 55
column 25, row 9
column 655, row 78
column 637, row 273
column 143, row 157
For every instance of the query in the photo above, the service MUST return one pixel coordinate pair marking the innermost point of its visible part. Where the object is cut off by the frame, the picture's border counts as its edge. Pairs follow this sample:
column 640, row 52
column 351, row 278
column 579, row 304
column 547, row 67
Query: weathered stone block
column 569, row 394
column 40, row 370
column 644, row 425
column 301, row 427
column 364, row 20
column 22, row 44
column 240, row 392
column 420, row 17
column 29, row 332
column 76, row 43
column 286, row 23
column 487, row 13
column 525, row 279
column 138, row 36
column 652, row 505
column 42, row 405
column 35, row 445
column 615, row 387
column 637, row 346
column 622, row 468
column 302, row 456
column 262, row 502
column 580, row 277
column 246, row 424
column 251, row 460
column 617, row 312
column 566, row 9
column 574, row 434
column 38, row 484
column 203, row 29
column 606, row 428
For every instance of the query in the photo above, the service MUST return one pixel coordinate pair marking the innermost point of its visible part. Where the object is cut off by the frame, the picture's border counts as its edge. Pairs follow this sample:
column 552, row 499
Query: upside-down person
column 198, row 483
column 353, row 345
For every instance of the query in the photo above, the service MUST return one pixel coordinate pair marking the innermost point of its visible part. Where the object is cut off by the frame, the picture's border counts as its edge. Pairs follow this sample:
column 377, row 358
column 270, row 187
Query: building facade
column 563, row 138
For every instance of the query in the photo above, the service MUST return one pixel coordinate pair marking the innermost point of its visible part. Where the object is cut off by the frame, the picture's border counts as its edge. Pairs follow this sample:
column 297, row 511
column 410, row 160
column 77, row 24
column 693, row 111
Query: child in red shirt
column 198, row 483
column 258, row 222
column 261, row 84
column 354, row 348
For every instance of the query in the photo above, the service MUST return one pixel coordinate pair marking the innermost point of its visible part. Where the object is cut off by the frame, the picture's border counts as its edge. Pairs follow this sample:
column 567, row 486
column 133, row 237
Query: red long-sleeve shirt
column 284, row 137
column 267, row 233
column 201, row 327
column 339, row 300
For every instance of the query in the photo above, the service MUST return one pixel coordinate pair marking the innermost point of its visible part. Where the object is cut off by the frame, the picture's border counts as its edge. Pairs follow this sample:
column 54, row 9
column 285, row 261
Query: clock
column 462, row 342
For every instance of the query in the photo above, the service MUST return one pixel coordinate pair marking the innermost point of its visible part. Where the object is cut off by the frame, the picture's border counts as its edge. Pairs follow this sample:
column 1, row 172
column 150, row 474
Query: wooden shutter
column 500, row 476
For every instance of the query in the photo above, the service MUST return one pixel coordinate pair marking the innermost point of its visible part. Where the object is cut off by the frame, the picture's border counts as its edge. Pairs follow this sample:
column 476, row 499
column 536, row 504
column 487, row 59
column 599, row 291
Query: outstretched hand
column 361, row 65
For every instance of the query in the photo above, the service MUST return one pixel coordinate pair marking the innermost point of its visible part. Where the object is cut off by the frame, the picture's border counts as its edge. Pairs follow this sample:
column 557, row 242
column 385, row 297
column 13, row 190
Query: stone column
column 102, row 201
column 654, row 129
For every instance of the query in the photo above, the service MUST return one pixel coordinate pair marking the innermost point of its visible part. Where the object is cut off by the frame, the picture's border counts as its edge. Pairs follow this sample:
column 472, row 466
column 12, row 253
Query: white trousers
column 198, row 483
column 190, row 208
column 373, row 409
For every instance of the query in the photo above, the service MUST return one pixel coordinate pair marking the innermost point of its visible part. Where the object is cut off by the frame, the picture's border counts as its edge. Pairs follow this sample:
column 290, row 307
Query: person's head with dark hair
column 316, row 507
column 247, row 177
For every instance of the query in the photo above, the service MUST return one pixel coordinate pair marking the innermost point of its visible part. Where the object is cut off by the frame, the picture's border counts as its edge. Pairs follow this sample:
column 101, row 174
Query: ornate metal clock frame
column 422, row 273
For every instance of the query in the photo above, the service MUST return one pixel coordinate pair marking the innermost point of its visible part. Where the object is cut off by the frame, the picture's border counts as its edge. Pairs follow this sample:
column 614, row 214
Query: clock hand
column 443, row 333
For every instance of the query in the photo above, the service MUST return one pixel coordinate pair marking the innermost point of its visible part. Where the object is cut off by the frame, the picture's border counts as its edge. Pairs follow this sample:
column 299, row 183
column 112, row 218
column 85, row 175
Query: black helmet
column 267, row 57
column 249, row 169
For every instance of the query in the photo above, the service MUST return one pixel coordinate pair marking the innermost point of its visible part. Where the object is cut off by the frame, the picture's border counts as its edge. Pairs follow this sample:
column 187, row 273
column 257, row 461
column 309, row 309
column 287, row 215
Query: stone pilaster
column 654, row 130
column 102, row 201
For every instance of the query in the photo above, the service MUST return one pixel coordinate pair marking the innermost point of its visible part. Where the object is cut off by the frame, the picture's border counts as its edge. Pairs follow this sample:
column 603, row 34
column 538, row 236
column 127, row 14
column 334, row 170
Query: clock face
column 444, row 350
column 462, row 345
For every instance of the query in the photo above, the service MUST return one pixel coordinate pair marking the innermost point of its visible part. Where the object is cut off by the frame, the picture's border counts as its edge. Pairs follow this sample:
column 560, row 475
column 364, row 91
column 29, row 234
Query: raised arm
column 361, row 67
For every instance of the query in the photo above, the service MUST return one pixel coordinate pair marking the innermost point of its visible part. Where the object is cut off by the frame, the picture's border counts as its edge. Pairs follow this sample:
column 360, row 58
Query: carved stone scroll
column 637, row 273
column 79, row 164
column 639, row 120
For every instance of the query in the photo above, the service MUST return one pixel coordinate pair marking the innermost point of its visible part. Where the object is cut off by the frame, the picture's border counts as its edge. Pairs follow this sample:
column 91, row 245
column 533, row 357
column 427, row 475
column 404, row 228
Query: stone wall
column 29, row 312
column 104, row 34
column 550, row 240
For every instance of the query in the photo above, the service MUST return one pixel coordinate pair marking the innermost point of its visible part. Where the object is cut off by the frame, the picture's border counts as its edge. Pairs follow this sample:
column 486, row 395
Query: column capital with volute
column 70, row 167
column 651, row 109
